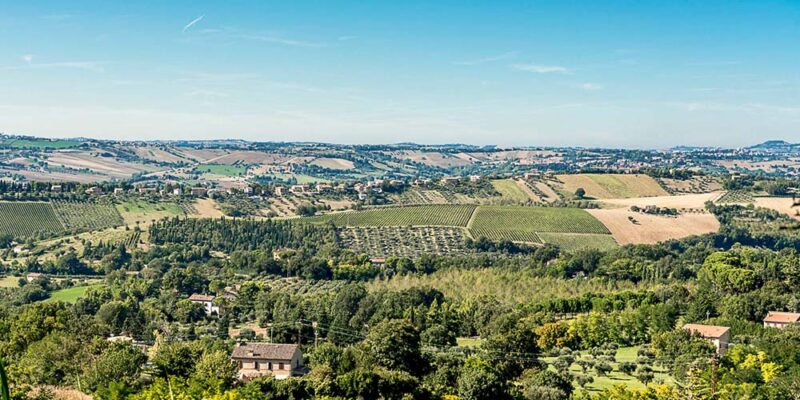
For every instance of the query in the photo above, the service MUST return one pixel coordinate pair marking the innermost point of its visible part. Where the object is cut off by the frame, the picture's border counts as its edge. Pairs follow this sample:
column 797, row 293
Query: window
column 280, row 366
column 256, row 366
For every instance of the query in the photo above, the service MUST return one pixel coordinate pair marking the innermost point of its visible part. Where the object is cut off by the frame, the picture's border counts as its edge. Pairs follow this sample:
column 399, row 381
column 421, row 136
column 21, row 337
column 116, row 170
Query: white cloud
column 28, row 58
column 541, row 69
column 504, row 56
column 589, row 86
column 276, row 40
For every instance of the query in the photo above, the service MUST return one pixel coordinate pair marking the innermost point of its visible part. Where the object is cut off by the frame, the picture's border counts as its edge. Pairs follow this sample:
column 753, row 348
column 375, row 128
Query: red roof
column 707, row 331
column 782, row 317
column 201, row 297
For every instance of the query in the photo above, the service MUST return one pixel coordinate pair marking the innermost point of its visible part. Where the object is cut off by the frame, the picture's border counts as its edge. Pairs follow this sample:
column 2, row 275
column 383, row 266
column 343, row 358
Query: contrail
column 194, row 21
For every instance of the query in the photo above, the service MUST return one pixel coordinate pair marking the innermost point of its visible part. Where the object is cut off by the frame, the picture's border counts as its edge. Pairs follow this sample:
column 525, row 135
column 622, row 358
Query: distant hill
column 778, row 146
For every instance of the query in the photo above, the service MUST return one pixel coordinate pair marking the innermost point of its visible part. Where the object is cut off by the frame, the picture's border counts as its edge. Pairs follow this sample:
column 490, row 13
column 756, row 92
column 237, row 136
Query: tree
column 479, row 382
column 215, row 370
column 187, row 311
column 603, row 368
column 438, row 336
column 121, row 362
column 395, row 344
column 580, row 193
column 627, row 367
column 533, row 382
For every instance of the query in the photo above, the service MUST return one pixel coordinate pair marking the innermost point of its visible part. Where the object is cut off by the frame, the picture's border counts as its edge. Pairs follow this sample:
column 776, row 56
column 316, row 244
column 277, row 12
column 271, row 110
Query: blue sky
column 588, row 73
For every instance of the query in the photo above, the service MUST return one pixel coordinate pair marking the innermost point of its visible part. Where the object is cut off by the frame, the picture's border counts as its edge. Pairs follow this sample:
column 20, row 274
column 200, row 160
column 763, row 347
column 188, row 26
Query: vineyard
column 577, row 241
column 736, row 196
column 524, row 224
column 24, row 219
column 403, row 241
column 79, row 216
column 424, row 215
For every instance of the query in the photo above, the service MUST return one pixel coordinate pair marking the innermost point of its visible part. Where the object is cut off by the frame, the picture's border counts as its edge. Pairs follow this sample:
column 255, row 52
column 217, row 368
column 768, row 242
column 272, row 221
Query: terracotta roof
column 707, row 331
column 266, row 351
column 201, row 297
column 782, row 317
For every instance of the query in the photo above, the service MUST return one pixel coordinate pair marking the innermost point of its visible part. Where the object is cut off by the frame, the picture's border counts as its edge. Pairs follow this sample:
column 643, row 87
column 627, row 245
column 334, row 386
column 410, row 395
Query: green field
column 427, row 215
column 69, row 295
column 42, row 143
column 509, row 189
column 526, row 224
column 137, row 210
column 86, row 216
column 26, row 218
column 578, row 241
column 222, row 169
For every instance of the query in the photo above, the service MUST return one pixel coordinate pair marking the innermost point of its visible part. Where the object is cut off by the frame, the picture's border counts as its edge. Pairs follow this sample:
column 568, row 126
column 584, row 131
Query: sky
column 633, row 74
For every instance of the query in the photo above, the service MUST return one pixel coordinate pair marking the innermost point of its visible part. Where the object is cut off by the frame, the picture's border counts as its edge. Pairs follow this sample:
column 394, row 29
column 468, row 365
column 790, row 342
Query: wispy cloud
column 192, row 23
column 82, row 65
column 345, row 38
column 276, row 40
column 28, row 58
column 541, row 69
column 589, row 86
column 504, row 56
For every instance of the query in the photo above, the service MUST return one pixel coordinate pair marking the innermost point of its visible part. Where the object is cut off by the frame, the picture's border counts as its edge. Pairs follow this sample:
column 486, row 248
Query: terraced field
column 423, row 215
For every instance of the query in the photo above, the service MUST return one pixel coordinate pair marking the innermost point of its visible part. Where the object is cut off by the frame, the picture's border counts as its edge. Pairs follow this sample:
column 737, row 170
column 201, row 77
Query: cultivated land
column 69, row 295
column 22, row 219
column 510, row 189
column 383, row 241
column 610, row 186
column 785, row 205
column 680, row 202
column 139, row 210
column 222, row 169
column 647, row 228
column 427, row 215
column 518, row 223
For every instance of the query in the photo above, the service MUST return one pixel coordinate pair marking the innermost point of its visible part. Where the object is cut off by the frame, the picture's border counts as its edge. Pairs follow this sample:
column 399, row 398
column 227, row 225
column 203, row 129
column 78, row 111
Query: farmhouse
column 780, row 319
column 33, row 276
column 719, row 336
column 94, row 191
column 258, row 359
column 55, row 188
column 206, row 301
column 199, row 191
column 297, row 189
column 474, row 178
column 118, row 191
column 278, row 190
column 450, row 179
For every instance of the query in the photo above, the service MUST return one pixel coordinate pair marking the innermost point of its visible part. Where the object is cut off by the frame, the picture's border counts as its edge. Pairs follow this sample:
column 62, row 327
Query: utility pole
column 314, row 324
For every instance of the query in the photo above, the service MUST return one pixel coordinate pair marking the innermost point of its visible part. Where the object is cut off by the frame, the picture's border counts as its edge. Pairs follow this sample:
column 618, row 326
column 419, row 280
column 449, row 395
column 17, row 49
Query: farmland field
column 134, row 211
column 511, row 190
column 611, row 186
column 578, row 241
column 86, row 216
column 524, row 224
column 222, row 169
column 25, row 218
column 427, row 215
column 383, row 241
column 41, row 143
column 634, row 227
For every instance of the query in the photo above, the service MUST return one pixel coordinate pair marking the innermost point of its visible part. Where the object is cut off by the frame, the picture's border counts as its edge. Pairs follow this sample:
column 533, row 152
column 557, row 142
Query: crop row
column 23, row 219
column 425, row 215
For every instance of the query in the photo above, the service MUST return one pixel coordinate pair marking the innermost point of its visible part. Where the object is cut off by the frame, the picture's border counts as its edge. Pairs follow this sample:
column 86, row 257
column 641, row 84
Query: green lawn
column 69, row 295
column 222, row 169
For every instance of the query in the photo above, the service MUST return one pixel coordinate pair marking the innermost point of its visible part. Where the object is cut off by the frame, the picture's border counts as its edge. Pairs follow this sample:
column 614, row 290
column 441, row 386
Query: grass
column 222, row 169
column 472, row 342
column 69, row 295
column 42, row 143
column 578, row 241
column 615, row 377
column 137, row 210
column 507, row 286
column 510, row 190
column 9, row 282
column 424, row 215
